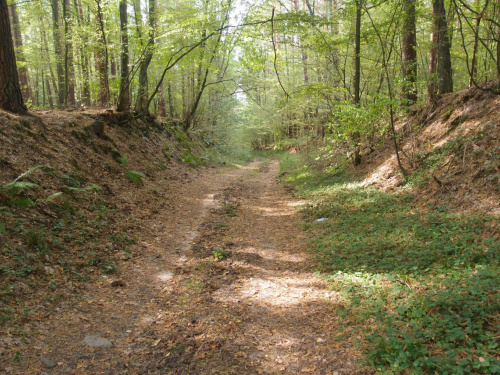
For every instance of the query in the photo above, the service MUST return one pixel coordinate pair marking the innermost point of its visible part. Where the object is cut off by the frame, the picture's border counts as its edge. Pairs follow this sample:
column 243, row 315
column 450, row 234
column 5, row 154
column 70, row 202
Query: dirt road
column 175, row 309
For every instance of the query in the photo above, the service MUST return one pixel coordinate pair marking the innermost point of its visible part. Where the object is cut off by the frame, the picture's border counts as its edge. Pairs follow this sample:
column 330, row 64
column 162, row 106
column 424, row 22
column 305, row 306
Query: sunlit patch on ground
column 276, row 291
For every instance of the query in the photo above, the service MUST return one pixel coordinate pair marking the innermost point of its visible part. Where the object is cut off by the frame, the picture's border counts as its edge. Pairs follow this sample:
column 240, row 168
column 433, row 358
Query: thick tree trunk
column 11, row 98
column 18, row 44
column 124, row 96
column 409, row 52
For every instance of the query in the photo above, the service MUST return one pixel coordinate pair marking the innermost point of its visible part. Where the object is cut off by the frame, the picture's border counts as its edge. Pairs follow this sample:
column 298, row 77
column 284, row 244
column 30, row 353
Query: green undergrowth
column 418, row 283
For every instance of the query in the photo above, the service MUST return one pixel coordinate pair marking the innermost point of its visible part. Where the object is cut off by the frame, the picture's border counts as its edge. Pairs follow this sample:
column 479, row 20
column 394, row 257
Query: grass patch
column 420, row 285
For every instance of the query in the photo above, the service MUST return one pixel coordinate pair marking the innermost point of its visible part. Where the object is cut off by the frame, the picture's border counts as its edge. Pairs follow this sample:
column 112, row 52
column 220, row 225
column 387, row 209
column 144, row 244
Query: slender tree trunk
column 183, row 92
column 162, row 105
column 84, row 60
column 47, row 57
column 142, row 92
column 473, row 70
column 102, row 58
column 498, row 42
column 445, row 74
column 124, row 96
column 69, row 72
column 57, row 49
column 112, row 65
column 433, row 57
column 49, row 94
column 409, row 52
column 11, row 98
column 18, row 44
column 357, row 53
column 356, row 137
column 171, row 109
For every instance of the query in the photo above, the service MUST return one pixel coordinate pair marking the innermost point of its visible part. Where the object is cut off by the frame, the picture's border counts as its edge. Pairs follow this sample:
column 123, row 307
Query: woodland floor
column 175, row 309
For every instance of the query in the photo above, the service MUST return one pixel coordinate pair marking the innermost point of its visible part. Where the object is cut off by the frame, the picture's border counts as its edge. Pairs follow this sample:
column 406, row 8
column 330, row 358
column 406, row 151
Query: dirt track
column 177, row 310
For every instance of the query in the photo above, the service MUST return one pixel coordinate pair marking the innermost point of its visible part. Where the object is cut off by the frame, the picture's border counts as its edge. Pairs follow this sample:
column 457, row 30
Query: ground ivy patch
column 420, row 284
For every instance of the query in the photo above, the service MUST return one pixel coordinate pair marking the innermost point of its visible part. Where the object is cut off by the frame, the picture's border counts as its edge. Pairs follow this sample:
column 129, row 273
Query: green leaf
column 135, row 176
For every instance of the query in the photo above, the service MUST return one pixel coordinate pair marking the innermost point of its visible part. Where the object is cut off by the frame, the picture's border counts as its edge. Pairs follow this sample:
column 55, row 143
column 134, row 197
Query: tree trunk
column 409, row 52
column 357, row 53
column 11, row 98
column 47, row 57
column 432, row 87
column 356, row 137
column 57, row 49
column 171, row 109
column 162, row 105
column 445, row 75
column 18, row 44
column 102, row 58
column 498, row 43
column 142, row 92
column 84, row 60
column 124, row 96
column 49, row 94
column 69, row 72
column 473, row 70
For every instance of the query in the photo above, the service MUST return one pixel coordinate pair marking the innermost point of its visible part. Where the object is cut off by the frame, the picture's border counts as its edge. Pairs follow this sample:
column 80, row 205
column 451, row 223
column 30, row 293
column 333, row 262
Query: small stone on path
column 97, row 342
column 49, row 363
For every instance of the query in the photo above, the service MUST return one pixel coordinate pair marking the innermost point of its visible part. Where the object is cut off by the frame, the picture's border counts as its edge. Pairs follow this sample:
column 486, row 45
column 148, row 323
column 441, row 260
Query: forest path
column 177, row 310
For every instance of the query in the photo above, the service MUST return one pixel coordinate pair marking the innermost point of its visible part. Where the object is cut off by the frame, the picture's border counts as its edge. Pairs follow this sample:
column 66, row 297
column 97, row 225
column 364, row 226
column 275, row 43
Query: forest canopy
column 279, row 70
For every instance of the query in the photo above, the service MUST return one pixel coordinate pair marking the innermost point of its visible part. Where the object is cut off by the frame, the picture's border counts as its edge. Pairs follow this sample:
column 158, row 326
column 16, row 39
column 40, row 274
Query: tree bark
column 409, row 53
column 18, row 44
column 124, row 96
column 11, row 98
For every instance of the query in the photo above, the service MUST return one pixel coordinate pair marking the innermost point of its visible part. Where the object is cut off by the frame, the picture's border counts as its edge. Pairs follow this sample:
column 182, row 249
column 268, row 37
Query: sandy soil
column 175, row 309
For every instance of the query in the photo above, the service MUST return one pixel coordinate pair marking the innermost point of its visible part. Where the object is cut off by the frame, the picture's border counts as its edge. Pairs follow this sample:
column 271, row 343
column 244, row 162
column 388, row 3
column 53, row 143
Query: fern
column 20, row 202
column 16, row 186
column 135, row 176
column 81, row 190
